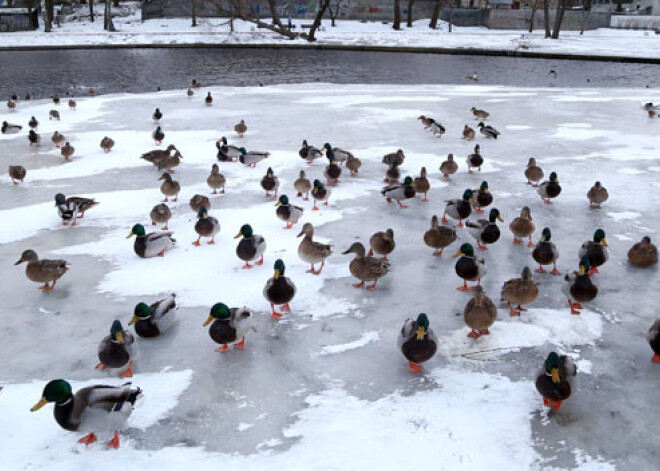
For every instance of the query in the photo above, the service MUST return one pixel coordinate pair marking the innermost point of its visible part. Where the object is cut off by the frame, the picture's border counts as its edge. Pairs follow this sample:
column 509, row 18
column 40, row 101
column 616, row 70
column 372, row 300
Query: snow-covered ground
column 326, row 388
column 215, row 31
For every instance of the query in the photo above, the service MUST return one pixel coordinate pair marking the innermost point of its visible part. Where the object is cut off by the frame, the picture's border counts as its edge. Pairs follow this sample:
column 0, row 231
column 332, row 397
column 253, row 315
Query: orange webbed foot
column 414, row 367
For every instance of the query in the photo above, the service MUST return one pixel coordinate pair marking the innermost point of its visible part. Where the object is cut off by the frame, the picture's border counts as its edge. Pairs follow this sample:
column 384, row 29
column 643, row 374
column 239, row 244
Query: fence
column 635, row 22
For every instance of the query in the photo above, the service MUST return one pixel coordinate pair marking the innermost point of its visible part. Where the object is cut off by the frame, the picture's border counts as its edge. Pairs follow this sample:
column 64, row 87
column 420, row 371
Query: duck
column 169, row 187
column 11, row 104
column 72, row 104
column 82, row 204
column 157, row 155
column 309, row 153
column 169, row 162
column 14, row 97
column 643, row 254
column 485, row 231
column 198, row 201
column 422, row 185
column 340, row 154
column 597, row 195
column 579, row 288
column 92, row 92
column 468, row 133
column 474, row 77
column 157, row 116
column 523, row 226
column 436, row 128
column 448, row 167
column 227, row 152
column 33, row 123
column 208, row 99
column 58, row 139
column 482, row 197
column 155, row 319
column 353, row 164
column 396, row 158
column 158, row 135
column 302, row 185
column 320, row 193
column 392, row 174
column 438, row 237
column 195, row 84
column 479, row 114
column 8, row 128
column 160, row 214
column 479, row 314
column 241, row 128
column 251, row 247
column 399, row 191
column 546, row 252
column 653, row 336
column 519, row 292
column 549, row 189
column 425, row 121
column 417, row 342
column 34, row 138
column 190, row 93
column 17, row 172
column 270, row 183
column 216, row 180
column 115, row 351
column 488, row 131
column 252, row 158
column 206, row 226
column 382, row 243
column 67, row 151
column 54, row 114
column 56, row 99
column 475, row 160
column 459, row 209
column 66, row 210
column 228, row 326
column 332, row 170
column 552, row 382
column 43, row 270
column 279, row 290
column 107, row 144
column 90, row 409
column 311, row 251
column 153, row 244
column 469, row 267
column 288, row 212
column 533, row 173
column 595, row 250
column 366, row 268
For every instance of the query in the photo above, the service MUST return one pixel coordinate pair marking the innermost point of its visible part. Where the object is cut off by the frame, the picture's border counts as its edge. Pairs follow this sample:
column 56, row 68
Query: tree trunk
column 397, row 15
column 272, row 4
column 91, row 10
column 334, row 12
column 531, row 21
column 30, row 8
column 317, row 20
column 436, row 13
column 193, row 12
column 586, row 10
column 115, row 3
column 48, row 15
column 546, row 17
column 559, row 17
column 108, row 25
column 409, row 19
column 451, row 15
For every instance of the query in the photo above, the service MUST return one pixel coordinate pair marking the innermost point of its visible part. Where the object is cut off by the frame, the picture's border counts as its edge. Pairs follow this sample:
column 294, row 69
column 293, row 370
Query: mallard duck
column 552, row 382
column 58, row 139
column 157, row 155
column 488, row 131
column 157, row 116
column 279, row 290
column 382, row 243
column 72, row 104
column 196, row 84
column 169, row 187
column 208, row 99
column 216, row 180
column 152, row 244
column 270, row 183
column 469, row 267
column 309, row 153
column 91, row 409
column 228, row 326
column 522, row 227
column 169, row 162
column 226, row 152
column 287, row 212
column 92, row 92
column 320, row 193
column 241, row 128
column 115, row 351
column 54, row 114
column 417, row 342
column 438, row 237
column 533, row 173
column 158, row 136
column 206, row 226
column 643, row 253
column 34, row 138
column 154, row 320
column 66, row 210
column 353, row 164
column 160, row 214
column 480, row 313
column 468, row 133
column 425, row 121
column 595, row 250
column 11, row 104
column 475, row 160
column 312, row 252
column 190, row 93
column 198, row 202
column 252, row 158
column 597, row 195
column 436, row 128
column 396, row 158
column 579, row 288
column 251, row 247
column 33, row 123
column 448, row 167
column 422, row 185
column 650, row 106
column 44, row 270
column 107, row 144
column 399, row 191
column 479, row 114
column 474, row 77
column 520, row 291
column 546, row 252
column 366, row 268
column 653, row 337
column 8, row 128
column 549, row 189
column 340, row 154
column 459, row 209
column 67, row 151
column 392, row 174
column 482, row 197
column 485, row 231
column 17, row 172
column 332, row 170
column 303, row 185
column 56, row 99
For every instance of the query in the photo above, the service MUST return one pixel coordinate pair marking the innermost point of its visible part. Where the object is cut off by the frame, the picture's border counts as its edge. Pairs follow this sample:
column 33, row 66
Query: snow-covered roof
column 13, row 11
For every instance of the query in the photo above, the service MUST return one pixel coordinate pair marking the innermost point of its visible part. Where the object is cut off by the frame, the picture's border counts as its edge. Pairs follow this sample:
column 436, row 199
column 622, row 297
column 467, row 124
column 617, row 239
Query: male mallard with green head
column 279, row 290
column 520, row 291
column 399, row 192
column 9, row 128
column 489, row 131
column 309, row 153
column 44, row 270
column 522, row 227
column 552, row 382
column 643, row 253
column 417, row 342
column 479, row 314
column 228, row 326
column 155, row 319
column 546, row 253
column 158, row 135
column 206, row 226
column 320, row 193
column 332, row 170
column 438, row 237
column 252, row 158
column 475, row 160
column 469, row 267
column 459, row 209
column 288, row 212
column 340, row 154
column 115, row 351
column 579, row 288
column 227, row 152
column 382, row 243
column 485, row 231
column 596, row 251
column 366, row 268
column 251, row 247
column 549, row 189
column 34, row 138
column 311, row 251
column 153, row 244
column 270, row 183
column 482, row 197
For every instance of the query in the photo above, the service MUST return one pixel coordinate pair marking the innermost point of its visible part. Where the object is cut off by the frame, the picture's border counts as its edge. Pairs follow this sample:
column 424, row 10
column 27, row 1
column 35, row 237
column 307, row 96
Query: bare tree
column 397, row 15
column 409, row 18
column 586, row 11
column 48, row 15
column 30, row 9
column 115, row 3
column 236, row 11
column 193, row 12
column 535, row 7
column 559, row 18
column 546, row 17
column 91, row 10
column 333, row 10
column 436, row 13
column 317, row 20
column 108, row 25
column 272, row 4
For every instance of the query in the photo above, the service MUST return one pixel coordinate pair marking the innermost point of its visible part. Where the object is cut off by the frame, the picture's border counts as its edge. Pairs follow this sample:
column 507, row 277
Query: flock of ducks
column 99, row 408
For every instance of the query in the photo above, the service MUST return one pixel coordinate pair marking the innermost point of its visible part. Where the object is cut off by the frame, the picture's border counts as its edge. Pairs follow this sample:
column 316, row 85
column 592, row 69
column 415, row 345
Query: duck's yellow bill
column 39, row 405
column 130, row 235
column 237, row 235
column 278, row 203
column 133, row 320
column 457, row 254
column 120, row 337
column 555, row 375
column 499, row 218
column 277, row 274
column 420, row 333
column 603, row 241
column 208, row 321
column 582, row 270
